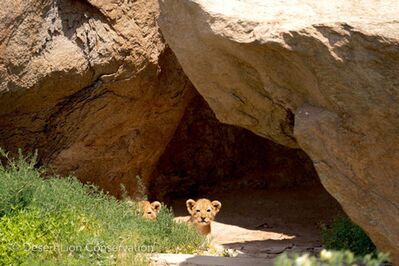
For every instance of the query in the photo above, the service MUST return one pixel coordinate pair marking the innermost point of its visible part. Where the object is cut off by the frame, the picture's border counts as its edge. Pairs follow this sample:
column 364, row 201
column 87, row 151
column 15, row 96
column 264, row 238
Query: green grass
column 345, row 235
column 60, row 221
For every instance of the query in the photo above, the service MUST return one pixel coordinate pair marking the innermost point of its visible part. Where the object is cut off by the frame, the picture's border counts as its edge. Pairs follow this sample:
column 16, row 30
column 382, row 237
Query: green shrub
column 60, row 221
column 29, row 231
column 327, row 258
column 345, row 235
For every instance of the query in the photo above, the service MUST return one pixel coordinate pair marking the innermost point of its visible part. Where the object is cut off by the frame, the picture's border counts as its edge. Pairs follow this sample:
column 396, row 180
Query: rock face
column 89, row 84
column 205, row 157
column 322, row 75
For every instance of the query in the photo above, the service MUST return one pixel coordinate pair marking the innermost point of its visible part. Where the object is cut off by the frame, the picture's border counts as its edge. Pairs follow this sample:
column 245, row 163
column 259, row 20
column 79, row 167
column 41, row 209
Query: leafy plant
column 141, row 188
column 327, row 258
column 60, row 221
column 345, row 235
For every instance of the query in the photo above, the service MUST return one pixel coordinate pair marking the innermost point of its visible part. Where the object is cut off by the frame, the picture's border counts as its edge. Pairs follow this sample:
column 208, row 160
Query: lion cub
column 150, row 210
column 202, row 212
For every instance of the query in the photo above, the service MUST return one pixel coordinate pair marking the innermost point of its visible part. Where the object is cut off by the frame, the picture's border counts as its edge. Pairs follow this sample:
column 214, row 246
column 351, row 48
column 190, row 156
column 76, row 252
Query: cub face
column 203, row 211
column 150, row 210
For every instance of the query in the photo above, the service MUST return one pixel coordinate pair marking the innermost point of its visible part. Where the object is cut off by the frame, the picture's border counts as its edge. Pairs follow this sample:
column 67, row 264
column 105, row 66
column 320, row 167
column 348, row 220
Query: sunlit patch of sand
column 227, row 233
column 265, row 223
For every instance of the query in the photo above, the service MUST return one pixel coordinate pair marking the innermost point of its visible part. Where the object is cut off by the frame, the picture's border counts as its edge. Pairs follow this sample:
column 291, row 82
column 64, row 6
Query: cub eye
column 148, row 212
column 208, row 210
column 198, row 210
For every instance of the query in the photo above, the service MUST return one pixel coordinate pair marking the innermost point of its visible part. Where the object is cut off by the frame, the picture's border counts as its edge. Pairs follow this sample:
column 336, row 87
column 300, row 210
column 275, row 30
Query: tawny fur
column 202, row 213
column 150, row 210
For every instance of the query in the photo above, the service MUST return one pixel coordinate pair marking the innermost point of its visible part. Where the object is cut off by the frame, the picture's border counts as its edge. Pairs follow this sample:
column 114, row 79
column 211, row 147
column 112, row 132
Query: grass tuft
column 60, row 221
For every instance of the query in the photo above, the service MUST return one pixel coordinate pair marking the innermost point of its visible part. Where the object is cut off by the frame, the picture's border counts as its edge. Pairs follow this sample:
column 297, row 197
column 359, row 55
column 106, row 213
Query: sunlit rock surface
column 321, row 75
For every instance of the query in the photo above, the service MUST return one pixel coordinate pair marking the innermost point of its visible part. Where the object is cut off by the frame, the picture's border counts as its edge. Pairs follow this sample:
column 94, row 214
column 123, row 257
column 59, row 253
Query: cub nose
column 202, row 219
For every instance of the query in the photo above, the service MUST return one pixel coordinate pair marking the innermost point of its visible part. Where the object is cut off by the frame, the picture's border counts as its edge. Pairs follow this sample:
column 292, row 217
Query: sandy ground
column 265, row 223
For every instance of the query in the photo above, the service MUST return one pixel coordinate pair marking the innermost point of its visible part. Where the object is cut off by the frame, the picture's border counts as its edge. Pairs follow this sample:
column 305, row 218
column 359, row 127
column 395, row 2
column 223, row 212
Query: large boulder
column 90, row 85
column 321, row 75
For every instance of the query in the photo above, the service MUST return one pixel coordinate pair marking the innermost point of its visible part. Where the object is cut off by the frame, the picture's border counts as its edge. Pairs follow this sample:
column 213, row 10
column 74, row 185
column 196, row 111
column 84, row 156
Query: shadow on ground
column 265, row 223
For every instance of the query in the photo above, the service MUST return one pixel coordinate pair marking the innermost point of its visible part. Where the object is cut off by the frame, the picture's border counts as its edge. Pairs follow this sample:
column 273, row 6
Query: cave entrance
column 268, row 190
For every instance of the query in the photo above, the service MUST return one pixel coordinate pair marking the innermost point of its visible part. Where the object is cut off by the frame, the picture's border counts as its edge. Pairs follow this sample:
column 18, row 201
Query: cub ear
column 190, row 204
column 156, row 205
column 217, row 205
